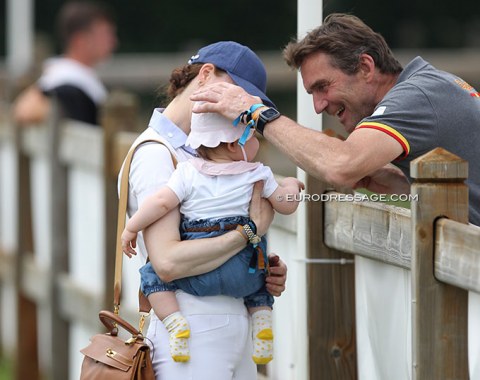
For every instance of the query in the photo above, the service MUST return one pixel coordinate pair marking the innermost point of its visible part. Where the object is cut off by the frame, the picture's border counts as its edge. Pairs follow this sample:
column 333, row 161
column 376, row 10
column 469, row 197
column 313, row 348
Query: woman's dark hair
column 181, row 77
column 343, row 38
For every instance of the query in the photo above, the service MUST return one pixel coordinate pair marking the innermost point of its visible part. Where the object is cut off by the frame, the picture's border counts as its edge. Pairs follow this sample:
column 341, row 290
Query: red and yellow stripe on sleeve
column 389, row 131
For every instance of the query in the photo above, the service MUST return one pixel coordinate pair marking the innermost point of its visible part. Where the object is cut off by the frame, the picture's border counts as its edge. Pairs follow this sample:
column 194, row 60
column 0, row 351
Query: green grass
column 5, row 369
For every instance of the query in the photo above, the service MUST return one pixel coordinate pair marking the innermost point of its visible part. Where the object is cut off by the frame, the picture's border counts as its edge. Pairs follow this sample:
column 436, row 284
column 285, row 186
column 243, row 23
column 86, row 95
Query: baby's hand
column 129, row 242
column 293, row 183
column 300, row 184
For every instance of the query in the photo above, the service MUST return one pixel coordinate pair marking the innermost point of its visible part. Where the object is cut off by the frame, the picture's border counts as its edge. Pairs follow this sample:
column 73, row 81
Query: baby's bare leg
column 165, row 306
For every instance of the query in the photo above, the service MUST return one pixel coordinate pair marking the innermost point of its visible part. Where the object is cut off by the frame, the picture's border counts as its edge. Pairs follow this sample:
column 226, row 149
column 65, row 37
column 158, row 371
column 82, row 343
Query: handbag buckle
column 132, row 340
column 110, row 353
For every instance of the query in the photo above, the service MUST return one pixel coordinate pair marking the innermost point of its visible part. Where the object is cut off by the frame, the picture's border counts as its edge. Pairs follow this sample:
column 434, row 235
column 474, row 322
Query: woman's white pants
column 220, row 341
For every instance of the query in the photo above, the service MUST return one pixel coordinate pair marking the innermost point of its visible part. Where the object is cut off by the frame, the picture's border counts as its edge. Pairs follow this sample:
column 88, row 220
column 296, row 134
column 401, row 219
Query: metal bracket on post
column 341, row 261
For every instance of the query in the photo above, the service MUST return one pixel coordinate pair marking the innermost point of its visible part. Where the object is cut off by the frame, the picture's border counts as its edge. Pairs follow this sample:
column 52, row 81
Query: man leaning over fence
column 392, row 114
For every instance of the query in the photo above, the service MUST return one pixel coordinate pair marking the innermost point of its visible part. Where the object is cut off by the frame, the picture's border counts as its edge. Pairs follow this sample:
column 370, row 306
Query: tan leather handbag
column 108, row 356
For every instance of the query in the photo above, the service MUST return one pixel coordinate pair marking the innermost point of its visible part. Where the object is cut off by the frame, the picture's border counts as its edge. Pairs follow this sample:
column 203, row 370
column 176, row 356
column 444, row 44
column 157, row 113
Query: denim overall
column 231, row 279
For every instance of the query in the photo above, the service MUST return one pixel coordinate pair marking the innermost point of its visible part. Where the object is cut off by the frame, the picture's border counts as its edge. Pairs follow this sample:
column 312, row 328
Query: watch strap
column 263, row 120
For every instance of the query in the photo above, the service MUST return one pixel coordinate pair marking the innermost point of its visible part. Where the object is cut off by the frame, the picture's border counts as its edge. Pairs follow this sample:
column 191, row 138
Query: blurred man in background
column 88, row 35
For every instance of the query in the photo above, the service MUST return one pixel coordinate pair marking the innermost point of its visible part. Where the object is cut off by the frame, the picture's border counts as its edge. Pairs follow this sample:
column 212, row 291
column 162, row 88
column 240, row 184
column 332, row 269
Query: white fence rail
column 64, row 272
column 57, row 236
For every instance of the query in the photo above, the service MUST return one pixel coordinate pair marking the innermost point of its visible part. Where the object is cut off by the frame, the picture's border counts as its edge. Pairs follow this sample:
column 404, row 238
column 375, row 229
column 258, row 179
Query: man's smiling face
column 345, row 96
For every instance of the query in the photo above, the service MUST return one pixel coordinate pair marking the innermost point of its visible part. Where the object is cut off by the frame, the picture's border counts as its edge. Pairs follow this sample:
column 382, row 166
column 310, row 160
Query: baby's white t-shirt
column 206, row 196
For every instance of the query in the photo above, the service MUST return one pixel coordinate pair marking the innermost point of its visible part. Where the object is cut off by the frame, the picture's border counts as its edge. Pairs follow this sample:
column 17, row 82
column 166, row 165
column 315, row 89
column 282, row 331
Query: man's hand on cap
column 225, row 98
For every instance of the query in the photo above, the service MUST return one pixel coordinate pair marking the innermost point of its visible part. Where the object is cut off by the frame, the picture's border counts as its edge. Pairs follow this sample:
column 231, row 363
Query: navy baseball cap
column 241, row 64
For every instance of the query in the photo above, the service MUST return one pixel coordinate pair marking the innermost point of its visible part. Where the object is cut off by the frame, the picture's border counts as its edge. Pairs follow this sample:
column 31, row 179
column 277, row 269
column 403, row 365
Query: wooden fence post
column 120, row 113
column 3, row 256
column 59, row 364
column 26, row 357
column 330, row 300
column 439, row 311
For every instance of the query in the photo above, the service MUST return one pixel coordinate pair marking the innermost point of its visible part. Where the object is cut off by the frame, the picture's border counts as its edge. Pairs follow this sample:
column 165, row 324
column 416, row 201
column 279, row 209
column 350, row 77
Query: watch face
column 265, row 117
column 269, row 113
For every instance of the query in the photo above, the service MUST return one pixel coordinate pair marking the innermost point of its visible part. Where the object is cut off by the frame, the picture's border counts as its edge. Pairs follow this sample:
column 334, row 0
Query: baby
column 214, row 192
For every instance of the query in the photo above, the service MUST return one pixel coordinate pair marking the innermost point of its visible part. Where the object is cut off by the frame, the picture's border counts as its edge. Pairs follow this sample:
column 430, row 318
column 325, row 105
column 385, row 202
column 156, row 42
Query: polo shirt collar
column 411, row 68
column 168, row 130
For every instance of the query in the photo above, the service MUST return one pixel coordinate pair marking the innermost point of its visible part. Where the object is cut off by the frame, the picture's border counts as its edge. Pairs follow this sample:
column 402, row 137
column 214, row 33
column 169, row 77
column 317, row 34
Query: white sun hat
column 211, row 129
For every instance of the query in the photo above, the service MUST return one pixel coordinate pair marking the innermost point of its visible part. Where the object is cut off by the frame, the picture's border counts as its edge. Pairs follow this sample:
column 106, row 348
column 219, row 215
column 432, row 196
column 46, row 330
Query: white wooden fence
column 57, row 228
column 57, row 273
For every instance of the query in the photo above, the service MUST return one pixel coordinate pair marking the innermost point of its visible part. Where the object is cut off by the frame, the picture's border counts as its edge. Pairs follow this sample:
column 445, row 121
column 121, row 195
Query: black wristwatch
column 265, row 117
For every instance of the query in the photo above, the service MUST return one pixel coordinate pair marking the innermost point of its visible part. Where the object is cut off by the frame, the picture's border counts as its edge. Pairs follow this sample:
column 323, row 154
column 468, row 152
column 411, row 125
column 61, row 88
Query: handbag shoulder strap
column 122, row 213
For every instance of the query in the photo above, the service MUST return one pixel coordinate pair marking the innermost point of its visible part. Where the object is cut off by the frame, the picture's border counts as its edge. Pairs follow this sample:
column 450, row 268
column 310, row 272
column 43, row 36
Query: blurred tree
column 417, row 24
column 156, row 26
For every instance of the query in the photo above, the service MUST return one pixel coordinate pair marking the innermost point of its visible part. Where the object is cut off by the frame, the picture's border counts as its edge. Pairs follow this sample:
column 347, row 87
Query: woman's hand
column 261, row 210
column 278, row 275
